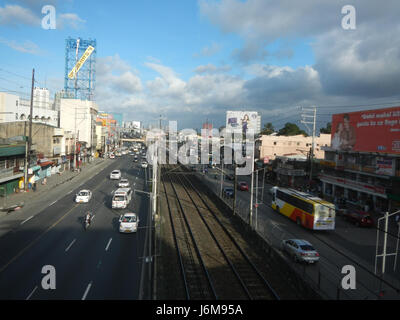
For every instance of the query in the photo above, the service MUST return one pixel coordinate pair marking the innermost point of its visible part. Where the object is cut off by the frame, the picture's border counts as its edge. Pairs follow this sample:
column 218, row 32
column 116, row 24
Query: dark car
column 230, row 177
column 340, row 209
column 228, row 192
column 359, row 218
column 243, row 186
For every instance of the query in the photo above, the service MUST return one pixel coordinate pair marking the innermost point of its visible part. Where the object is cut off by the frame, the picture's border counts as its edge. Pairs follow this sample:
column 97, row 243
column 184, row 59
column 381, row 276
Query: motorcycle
column 88, row 222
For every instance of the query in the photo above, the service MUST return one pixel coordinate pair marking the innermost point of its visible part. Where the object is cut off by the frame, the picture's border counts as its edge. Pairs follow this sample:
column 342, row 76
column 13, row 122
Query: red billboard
column 367, row 131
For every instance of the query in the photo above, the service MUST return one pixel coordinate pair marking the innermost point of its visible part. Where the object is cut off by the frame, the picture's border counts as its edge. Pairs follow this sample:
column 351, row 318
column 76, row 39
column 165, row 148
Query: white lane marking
column 33, row 291
column 70, row 191
column 108, row 244
column 87, row 290
column 73, row 241
column 52, row 203
column 27, row 220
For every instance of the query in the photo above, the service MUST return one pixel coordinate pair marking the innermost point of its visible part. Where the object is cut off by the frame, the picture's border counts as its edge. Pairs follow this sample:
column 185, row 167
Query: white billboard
column 136, row 124
column 243, row 121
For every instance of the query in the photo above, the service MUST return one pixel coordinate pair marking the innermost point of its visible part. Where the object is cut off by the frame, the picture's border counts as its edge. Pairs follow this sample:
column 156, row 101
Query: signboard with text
column 367, row 131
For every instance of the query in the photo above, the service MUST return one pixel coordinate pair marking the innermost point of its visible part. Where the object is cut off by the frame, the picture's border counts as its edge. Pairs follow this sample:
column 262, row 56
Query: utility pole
column 256, row 196
column 30, row 130
column 252, row 186
column 304, row 120
column 262, row 195
column 234, row 190
column 222, row 176
column 26, row 158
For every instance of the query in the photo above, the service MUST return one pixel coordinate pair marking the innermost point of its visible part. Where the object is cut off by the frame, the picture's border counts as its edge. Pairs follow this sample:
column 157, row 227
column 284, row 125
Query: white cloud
column 210, row 68
column 26, row 47
column 14, row 15
column 69, row 20
column 209, row 51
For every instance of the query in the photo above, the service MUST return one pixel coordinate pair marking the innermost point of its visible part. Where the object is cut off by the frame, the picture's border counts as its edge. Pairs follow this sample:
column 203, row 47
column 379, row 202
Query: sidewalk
column 25, row 198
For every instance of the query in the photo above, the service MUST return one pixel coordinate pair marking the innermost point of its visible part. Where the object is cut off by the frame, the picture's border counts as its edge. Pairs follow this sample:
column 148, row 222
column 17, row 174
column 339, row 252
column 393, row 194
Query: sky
column 191, row 61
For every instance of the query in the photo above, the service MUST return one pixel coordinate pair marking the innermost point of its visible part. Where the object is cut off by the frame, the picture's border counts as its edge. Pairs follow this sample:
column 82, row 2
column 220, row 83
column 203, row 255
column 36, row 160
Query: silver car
column 115, row 175
column 123, row 183
column 300, row 250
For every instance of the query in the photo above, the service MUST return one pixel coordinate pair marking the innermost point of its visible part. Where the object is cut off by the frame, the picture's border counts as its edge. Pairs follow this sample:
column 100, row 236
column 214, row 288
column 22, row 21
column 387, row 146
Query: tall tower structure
column 82, row 87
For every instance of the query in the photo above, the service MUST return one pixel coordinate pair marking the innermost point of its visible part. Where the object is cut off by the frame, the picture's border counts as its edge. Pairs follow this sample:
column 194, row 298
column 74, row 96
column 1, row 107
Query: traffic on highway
column 100, row 262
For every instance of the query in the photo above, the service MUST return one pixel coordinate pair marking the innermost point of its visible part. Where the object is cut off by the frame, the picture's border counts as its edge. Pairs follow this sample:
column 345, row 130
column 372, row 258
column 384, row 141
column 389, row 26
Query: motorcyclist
column 88, row 218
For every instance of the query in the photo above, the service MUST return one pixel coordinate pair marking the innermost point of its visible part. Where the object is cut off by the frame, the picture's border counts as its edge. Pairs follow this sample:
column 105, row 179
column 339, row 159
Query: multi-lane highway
column 99, row 263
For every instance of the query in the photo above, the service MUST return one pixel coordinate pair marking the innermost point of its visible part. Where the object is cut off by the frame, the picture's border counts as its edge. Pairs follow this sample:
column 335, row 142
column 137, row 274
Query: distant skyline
column 191, row 61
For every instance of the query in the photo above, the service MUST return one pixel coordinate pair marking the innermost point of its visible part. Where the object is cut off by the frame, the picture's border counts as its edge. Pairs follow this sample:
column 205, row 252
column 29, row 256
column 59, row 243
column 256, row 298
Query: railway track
column 206, row 249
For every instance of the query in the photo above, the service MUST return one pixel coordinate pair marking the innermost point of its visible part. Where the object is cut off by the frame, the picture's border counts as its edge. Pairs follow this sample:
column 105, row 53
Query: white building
column 41, row 98
column 79, row 117
column 13, row 108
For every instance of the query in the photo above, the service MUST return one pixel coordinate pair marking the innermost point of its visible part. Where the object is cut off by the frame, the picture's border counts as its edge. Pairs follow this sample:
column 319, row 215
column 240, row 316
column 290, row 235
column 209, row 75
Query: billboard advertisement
column 367, row 131
column 136, row 124
column 243, row 121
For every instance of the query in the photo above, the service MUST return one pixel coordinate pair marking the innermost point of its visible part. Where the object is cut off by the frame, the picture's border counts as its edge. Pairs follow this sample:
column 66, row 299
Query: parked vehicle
column 128, row 222
column 230, row 177
column 112, row 156
column 243, row 186
column 300, row 250
column 122, row 197
column 144, row 164
column 359, row 218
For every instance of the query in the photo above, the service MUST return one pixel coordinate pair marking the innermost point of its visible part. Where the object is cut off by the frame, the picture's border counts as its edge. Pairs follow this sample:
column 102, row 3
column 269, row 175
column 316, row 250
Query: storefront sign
column 385, row 166
column 360, row 186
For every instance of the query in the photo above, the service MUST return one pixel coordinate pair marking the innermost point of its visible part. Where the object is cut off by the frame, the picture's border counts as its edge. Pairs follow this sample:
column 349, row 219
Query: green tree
column 268, row 129
column 328, row 128
column 291, row 129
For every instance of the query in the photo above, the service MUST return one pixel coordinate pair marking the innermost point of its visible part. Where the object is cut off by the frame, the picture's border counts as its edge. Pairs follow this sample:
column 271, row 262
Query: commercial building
column 79, row 117
column 110, row 131
column 273, row 146
column 48, row 142
column 12, row 161
column 362, row 164
column 13, row 108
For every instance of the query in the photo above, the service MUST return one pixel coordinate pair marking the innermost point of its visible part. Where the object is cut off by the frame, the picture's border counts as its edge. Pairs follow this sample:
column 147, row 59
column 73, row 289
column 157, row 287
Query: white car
column 115, row 175
column 83, row 196
column 123, row 183
column 128, row 222
column 144, row 164
column 112, row 156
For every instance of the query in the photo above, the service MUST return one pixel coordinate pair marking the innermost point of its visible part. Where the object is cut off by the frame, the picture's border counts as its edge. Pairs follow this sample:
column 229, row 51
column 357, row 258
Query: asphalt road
column 99, row 263
column 346, row 245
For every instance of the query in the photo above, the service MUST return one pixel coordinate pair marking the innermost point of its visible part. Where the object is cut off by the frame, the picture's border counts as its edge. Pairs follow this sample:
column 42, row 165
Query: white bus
column 307, row 210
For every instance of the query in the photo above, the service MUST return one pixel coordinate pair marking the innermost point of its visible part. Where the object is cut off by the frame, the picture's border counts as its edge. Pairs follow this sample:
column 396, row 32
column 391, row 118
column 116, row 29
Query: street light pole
column 30, row 128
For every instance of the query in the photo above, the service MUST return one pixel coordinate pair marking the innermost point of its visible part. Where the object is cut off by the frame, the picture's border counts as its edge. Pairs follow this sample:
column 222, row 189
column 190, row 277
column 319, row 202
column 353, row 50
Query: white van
column 122, row 197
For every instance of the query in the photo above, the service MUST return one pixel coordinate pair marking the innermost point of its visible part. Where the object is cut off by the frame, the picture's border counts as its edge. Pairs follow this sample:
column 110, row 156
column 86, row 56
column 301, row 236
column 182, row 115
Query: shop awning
column 46, row 163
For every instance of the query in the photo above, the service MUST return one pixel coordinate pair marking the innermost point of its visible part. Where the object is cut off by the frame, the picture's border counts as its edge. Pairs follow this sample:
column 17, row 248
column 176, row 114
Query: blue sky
column 192, row 60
